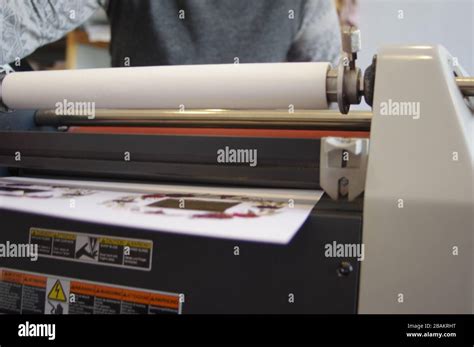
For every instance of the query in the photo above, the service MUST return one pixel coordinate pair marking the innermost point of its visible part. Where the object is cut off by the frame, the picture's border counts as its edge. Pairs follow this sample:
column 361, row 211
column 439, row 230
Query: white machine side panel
column 418, row 212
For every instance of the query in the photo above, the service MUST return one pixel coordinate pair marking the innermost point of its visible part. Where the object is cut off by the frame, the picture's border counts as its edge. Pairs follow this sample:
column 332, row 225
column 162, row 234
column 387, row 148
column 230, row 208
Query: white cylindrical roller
column 233, row 86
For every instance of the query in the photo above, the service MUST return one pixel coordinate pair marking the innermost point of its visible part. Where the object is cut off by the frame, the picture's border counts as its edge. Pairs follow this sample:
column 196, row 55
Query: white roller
column 234, row 86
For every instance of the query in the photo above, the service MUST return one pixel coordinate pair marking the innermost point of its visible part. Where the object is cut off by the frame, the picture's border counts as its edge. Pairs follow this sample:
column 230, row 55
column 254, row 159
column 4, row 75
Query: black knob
column 345, row 268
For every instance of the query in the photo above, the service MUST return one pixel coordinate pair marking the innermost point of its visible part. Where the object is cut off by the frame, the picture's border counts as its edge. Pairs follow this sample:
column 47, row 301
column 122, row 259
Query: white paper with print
column 266, row 215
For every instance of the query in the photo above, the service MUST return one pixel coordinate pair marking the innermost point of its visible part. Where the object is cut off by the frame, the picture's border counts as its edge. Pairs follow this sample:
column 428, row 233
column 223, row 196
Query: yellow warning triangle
column 57, row 292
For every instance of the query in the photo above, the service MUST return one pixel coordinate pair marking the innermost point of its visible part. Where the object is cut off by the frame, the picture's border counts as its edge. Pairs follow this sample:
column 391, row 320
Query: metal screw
column 345, row 268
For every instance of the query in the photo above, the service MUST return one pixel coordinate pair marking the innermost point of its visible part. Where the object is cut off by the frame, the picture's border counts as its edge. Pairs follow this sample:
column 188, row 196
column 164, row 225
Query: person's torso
column 174, row 32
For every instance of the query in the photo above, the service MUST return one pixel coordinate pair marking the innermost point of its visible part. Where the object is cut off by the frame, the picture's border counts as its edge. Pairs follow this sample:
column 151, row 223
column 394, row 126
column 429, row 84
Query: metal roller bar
column 272, row 119
column 466, row 85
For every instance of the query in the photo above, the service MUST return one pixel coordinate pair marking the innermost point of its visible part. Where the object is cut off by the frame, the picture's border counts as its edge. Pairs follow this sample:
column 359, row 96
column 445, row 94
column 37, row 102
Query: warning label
column 96, row 249
column 57, row 296
column 57, row 292
column 31, row 293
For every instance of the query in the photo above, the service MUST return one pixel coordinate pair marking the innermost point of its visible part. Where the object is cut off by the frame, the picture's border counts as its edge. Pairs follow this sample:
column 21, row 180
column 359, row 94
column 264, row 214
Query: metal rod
column 466, row 85
column 268, row 119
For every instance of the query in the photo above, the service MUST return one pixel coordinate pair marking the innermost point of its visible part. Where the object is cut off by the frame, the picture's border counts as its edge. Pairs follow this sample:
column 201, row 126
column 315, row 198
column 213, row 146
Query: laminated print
column 198, row 205
column 254, row 215
column 40, row 191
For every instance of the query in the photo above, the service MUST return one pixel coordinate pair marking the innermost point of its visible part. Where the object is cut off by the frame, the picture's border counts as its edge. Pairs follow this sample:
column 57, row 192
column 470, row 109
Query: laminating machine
column 398, row 180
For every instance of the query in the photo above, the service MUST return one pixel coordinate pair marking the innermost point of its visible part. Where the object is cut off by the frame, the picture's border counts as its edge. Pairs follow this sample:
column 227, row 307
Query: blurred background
column 382, row 22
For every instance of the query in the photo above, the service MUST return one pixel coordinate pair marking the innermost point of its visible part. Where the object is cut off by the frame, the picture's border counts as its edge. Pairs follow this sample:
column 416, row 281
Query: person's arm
column 319, row 37
column 26, row 25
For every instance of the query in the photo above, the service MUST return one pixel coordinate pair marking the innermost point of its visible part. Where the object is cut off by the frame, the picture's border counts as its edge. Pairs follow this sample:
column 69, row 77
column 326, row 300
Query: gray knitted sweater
column 162, row 32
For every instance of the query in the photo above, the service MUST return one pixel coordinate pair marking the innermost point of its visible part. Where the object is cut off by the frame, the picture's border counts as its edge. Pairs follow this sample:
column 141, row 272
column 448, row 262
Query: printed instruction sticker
column 33, row 293
column 96, row 249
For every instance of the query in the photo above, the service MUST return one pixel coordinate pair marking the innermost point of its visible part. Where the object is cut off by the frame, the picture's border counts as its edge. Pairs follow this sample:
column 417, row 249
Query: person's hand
column 347, row 11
